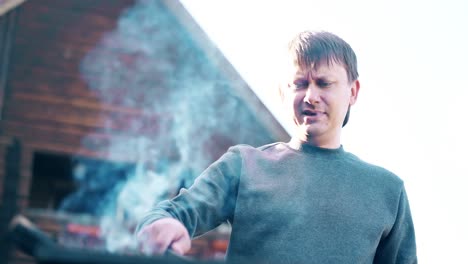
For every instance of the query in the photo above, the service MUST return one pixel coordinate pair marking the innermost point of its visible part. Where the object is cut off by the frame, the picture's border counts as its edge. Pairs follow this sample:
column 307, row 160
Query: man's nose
column 312, row 95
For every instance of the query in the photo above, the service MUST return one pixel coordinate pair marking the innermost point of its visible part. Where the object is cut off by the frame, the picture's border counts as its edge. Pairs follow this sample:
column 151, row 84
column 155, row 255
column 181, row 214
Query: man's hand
column 163, row 234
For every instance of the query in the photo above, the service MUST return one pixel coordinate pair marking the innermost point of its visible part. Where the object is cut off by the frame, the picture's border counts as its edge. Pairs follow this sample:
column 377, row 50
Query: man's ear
column 281, row 92
column 354, row 92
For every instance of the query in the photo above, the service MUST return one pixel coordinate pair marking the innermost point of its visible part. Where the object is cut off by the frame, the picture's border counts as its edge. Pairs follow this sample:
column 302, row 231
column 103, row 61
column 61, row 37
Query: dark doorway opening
column 52, row 180
column 75, row 184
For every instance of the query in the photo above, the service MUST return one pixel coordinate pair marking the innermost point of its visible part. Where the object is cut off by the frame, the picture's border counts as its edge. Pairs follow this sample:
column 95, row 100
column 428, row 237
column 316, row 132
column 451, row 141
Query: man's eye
column 323, row 83
column 300, row 85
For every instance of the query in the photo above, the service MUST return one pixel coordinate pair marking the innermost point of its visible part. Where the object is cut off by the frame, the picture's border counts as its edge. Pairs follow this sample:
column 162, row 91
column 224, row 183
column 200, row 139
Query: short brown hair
column 309, row 48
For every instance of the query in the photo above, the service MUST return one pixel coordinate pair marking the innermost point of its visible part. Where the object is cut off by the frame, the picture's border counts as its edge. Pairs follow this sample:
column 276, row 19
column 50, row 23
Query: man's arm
column 399, row 246
column 209, row 202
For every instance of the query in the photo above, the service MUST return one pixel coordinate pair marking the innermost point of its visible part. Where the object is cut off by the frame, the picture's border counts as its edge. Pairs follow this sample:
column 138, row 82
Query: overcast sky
column 411, row 113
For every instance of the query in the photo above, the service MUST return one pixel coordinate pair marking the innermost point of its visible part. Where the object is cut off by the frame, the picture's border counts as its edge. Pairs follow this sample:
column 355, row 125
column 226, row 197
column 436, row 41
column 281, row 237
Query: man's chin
column 309, row 131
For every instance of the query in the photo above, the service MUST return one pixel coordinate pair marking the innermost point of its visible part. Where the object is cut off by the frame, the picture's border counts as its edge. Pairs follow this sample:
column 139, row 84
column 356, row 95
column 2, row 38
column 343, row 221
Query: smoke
column 176, row 114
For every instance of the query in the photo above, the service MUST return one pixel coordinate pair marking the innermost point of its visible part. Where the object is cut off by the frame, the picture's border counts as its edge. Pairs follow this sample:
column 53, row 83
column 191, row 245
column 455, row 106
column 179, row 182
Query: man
column 305, row 201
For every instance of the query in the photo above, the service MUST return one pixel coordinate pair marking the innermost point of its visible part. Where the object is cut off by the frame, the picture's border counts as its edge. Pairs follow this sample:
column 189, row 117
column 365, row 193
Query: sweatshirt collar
column 308, row 148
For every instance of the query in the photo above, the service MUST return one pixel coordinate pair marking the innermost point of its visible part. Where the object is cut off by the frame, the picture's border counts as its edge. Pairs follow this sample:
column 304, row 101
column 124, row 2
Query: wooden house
column 112, row 81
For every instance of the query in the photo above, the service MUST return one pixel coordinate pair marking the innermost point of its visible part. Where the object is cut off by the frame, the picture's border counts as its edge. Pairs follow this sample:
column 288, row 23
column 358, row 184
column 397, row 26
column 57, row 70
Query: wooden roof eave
column 227, row 69
column 7, row 5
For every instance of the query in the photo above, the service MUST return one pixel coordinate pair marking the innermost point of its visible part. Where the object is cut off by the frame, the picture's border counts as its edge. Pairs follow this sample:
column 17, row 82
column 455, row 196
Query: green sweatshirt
column 294, row 203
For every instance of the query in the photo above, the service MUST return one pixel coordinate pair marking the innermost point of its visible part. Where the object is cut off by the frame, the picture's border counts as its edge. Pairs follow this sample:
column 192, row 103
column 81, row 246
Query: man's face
column 318, row 98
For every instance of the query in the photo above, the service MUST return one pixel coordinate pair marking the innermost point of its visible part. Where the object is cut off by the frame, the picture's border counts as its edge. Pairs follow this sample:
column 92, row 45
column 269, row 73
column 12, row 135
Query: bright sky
column 411, row 112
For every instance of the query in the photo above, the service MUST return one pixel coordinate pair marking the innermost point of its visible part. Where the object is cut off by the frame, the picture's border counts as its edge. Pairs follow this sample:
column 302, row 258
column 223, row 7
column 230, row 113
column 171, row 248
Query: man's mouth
column 309, row 112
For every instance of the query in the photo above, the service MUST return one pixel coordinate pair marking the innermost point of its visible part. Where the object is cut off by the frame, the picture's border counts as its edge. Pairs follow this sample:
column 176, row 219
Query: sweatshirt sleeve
column 399, row 246
column 208, row 202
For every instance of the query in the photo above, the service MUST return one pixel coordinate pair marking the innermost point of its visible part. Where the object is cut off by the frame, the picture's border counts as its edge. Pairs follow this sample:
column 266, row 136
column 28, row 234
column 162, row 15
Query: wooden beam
column 7, row 5
column 7, row 27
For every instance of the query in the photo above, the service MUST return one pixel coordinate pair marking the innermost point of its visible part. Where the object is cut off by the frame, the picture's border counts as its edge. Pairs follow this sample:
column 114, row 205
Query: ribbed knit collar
column 307, row 148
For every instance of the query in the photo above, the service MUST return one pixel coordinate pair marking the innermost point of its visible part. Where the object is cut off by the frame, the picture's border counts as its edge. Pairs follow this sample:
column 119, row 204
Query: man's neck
column 321, row 142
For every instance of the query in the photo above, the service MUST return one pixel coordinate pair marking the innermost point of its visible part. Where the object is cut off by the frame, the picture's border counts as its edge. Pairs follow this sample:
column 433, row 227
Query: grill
column 34, row 242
